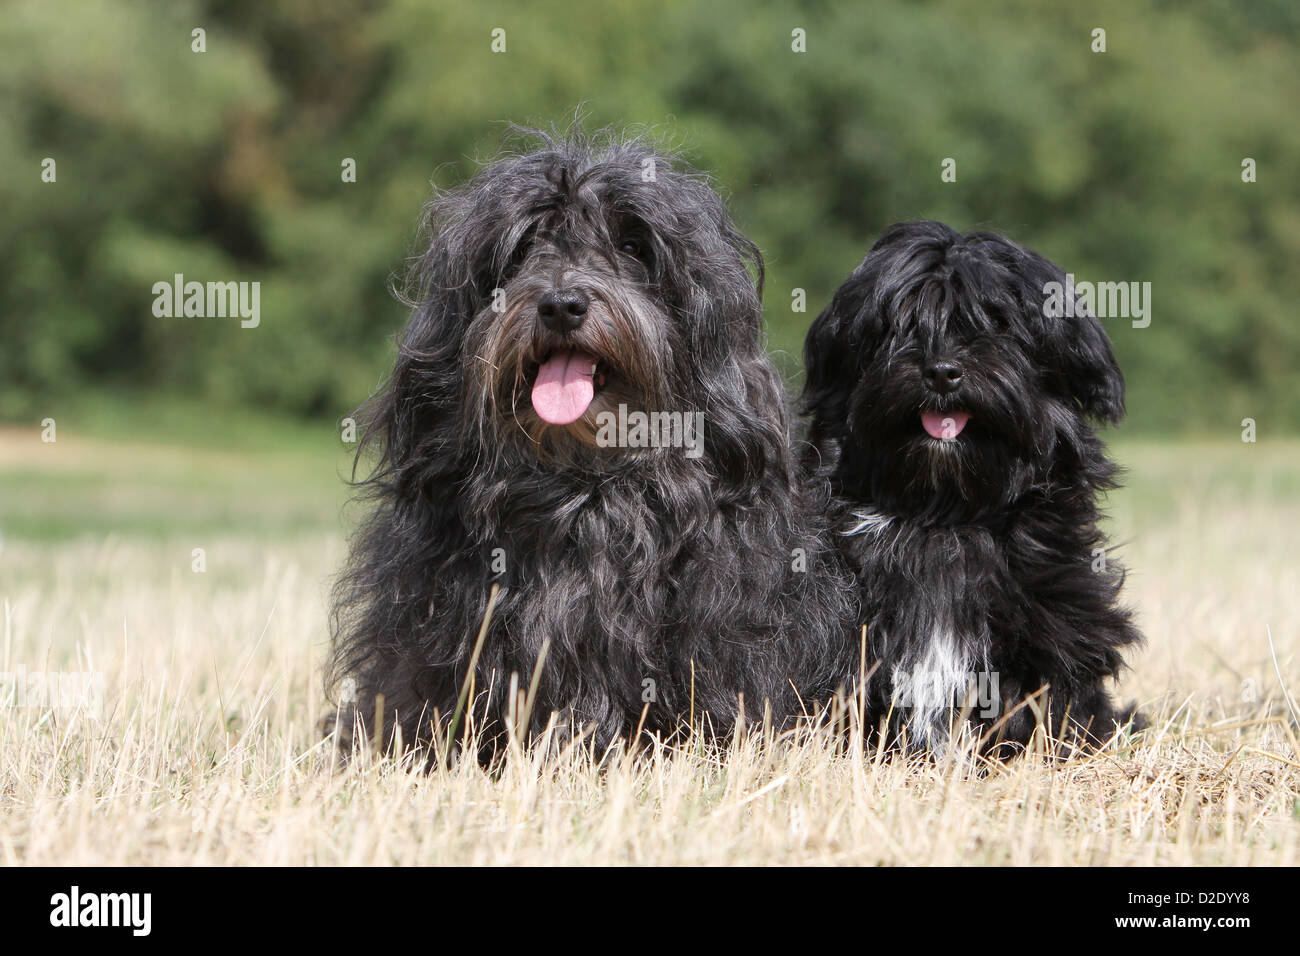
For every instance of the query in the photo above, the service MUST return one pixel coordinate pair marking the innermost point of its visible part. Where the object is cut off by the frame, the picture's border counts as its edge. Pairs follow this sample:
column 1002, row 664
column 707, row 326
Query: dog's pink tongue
column 563, row 389
column 944, row 424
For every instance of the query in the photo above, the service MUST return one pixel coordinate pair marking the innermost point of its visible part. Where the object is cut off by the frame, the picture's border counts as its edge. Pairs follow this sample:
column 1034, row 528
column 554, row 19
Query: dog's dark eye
column 631, row 247
column 518, row 254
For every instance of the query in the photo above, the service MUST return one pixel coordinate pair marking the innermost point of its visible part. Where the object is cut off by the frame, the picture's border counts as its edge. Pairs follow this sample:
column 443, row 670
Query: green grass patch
column 164, row 469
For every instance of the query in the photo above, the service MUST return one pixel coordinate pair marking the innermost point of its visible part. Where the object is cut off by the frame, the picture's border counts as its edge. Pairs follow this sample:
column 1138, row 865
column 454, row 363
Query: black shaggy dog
column 582, row 412
column 952, row 408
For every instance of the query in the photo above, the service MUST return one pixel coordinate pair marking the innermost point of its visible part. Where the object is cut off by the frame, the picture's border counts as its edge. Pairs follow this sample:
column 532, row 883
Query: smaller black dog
column 952, row 410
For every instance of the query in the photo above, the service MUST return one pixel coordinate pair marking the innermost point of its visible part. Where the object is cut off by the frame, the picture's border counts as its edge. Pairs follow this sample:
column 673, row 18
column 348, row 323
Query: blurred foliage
column 225, row 165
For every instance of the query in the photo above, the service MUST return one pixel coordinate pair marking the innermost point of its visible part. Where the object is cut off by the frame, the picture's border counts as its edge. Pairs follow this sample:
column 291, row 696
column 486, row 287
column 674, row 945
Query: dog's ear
column 412, row 418
column 1038, row 300
column 1091, row 371
column 748, row 428
column 1079, row 347
column 830, row 366
column 833, row 353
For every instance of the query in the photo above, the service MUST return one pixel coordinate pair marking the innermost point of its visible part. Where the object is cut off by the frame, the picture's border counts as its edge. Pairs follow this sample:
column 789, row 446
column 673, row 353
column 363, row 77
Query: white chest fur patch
column 932, row 685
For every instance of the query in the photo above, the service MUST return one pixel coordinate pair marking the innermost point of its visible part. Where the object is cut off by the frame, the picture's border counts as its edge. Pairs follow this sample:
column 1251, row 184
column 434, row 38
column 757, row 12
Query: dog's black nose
column 943, row 377
column 563, row 310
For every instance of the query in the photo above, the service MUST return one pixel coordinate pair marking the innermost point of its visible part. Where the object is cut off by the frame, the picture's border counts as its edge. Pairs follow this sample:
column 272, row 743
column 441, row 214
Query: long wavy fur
column 658, row 584
column 980, row 557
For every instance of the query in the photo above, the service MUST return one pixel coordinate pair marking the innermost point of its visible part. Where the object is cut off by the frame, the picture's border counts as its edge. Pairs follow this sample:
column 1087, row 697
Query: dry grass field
column 204, row 750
